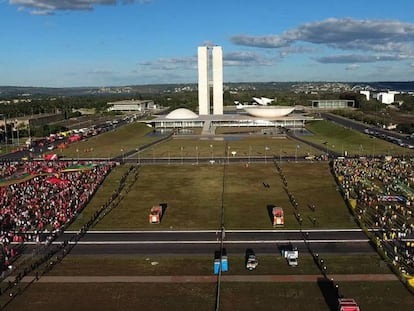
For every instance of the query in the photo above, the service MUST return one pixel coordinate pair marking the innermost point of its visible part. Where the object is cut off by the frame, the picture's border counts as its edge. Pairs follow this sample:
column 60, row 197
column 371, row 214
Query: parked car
column 251, row 260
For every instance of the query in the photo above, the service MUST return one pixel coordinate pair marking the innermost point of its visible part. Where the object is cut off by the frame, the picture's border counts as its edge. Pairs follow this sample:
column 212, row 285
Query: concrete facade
column 203, row 84
column 217, row 80
column 210, row 76
column 333, row 103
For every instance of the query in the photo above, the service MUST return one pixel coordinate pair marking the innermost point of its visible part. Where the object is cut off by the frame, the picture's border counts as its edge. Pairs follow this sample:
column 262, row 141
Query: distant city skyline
column 72, row 43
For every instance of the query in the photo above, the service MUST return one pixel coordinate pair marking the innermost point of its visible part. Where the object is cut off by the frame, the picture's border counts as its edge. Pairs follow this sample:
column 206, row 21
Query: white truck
column 291, row 254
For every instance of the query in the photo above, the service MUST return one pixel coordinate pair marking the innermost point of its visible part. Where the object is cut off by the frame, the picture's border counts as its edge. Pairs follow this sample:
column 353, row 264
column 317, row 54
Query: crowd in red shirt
column 42, row 198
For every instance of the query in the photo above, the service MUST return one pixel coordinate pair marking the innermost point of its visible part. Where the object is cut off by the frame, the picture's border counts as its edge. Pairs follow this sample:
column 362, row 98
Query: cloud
column 271, row 41
column 229, row 59
column 48, row 7
column 345, row 34
column 352, row 67
column 358, row 58
column 171, row 63
column 246, row 59
column 285, row 51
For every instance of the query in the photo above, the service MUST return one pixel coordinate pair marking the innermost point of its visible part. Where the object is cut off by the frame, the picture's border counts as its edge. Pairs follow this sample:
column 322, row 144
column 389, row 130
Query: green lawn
column 110, row 144
column 375, row 296
column 341, row 139
column 313, row 184
column 192, row 194
column 195, row 195
column 101, row 196
column 221, row 147
column 202, row 265
column 371, row 296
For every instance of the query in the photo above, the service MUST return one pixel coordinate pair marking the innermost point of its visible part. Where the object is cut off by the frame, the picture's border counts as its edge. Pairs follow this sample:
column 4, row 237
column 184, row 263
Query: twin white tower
column 208, row 76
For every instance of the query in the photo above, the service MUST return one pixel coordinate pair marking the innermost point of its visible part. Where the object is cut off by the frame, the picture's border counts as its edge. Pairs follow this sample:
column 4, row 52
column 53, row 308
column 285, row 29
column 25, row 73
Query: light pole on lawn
column 266, row 149
column 250, row 150
column 17, row 130
column 296, row 153
column 196, row 148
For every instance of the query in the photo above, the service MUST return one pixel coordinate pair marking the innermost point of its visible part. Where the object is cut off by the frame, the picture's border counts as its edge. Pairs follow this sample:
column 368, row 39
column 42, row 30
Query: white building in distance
column 386, row 98
column 367, row 94
column 132, row 105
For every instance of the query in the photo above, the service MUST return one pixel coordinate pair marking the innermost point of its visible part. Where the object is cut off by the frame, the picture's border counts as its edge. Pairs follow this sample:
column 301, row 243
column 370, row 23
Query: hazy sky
column 123, row 42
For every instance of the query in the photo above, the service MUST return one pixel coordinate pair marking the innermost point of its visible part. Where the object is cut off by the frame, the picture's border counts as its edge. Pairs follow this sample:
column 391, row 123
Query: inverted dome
column 181, row 113
column 269, row 111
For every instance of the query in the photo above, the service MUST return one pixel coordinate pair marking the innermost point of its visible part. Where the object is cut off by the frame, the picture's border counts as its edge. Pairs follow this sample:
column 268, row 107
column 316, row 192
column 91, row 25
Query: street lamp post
column 250, row 150
column 197, row 153
column 17, row 132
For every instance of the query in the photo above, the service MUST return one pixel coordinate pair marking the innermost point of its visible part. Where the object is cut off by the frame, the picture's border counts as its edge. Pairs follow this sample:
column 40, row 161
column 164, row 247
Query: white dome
column 181, row 113
column 269, row 111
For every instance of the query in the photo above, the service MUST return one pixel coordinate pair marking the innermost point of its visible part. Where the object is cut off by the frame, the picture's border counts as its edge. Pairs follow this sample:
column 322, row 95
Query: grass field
column 376, row 296
column 253, row 146
column 110, row 144
column 195, row 195
column 201, row 265
column 101, row 196
column 371, row 296
column 341, row 139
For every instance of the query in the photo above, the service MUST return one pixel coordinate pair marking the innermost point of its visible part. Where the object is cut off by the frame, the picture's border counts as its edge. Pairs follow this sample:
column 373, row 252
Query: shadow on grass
column 164, row 209
column 329, row 292
column 269, row 208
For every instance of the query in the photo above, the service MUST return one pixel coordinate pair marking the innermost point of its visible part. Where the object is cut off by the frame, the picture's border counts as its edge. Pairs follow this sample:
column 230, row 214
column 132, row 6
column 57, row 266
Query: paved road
column 207, row 242
column 361, row 127
column 231, row 236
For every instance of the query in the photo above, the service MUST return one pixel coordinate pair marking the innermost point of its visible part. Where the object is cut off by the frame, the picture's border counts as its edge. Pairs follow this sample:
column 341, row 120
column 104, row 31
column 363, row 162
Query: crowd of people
column 42, row 197
column 381, row 193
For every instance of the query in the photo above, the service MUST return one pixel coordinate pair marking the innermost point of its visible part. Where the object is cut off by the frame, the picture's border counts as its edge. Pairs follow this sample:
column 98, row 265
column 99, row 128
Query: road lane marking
column 204, row 242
